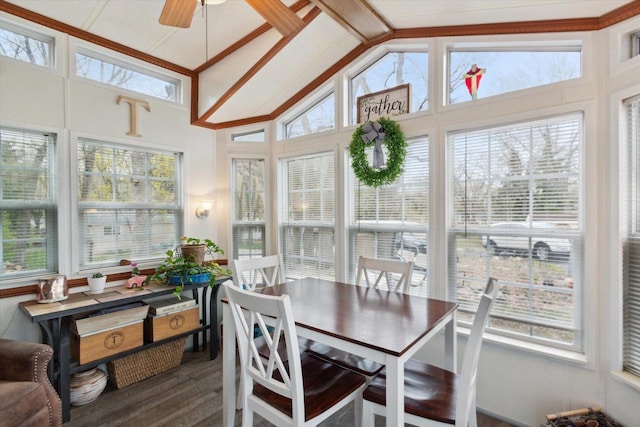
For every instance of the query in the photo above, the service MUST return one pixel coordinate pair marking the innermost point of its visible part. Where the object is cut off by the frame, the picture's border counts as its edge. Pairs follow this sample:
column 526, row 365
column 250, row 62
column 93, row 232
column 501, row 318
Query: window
column 27, row 203
column 129, row 203
column 112, row 72
column 510, row 71
column 307, row 219
column 318, row 118
column 26, row 45
column 248, row 208
column 631, row 253
column 253, row 136
column 394, row 69
column 635, row 44
column 392, row 221
column 516, row 198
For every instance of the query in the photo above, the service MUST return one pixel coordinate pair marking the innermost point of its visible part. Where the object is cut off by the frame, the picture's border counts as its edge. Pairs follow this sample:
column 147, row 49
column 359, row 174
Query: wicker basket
column 146, row 363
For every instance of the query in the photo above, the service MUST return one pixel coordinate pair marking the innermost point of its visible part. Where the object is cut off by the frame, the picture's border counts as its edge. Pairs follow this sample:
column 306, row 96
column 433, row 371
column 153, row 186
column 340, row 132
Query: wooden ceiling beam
column 246, row 39
column 257, row 67
column 357, row 17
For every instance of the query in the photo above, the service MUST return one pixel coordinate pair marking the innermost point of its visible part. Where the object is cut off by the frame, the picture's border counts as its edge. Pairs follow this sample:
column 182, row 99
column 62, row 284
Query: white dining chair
column 252, row 273
column 255, row 273
column 434, row 396
column 372, row 270
column 301, row 391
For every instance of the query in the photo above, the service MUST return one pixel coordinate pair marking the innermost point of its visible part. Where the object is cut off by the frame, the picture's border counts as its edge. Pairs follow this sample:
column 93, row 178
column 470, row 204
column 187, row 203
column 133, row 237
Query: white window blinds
column 27, row 203
column 307, row 217
column 248, row 208
column 129, row 203
column 392, row 221
column 631, row 263
column 516, row 198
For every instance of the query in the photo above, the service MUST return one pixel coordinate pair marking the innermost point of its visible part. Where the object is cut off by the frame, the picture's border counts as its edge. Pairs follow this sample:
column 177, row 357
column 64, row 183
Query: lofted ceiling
column 245, row 71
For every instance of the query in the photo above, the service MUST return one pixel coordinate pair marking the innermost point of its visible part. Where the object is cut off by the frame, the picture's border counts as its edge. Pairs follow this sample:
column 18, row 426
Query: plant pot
column 85, row 387
column 194, row 253
column 193, row 278
column 96, row 284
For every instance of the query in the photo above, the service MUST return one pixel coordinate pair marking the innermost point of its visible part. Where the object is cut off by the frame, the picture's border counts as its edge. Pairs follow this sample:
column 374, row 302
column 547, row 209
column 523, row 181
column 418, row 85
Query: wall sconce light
column 204, row 209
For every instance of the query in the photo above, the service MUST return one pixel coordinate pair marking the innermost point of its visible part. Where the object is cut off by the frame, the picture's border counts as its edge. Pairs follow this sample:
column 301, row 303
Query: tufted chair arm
column 27, row 361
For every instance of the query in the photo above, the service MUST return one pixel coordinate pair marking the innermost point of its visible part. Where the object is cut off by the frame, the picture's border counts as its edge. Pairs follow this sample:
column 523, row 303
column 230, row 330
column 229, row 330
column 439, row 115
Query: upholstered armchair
column 27, row 398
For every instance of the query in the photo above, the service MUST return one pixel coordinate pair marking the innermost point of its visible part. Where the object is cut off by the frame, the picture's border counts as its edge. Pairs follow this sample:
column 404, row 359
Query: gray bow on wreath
column 373, row 132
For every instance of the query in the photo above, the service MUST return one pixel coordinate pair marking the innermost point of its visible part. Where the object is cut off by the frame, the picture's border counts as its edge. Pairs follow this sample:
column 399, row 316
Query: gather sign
column 385, row 103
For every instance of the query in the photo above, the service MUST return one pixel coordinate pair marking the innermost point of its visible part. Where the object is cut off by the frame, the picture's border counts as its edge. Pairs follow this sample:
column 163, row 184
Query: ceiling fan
column 178, row 13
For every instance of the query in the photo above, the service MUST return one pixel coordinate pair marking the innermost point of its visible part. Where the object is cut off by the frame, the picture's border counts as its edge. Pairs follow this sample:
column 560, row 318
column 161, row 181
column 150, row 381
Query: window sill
column 626, row 378
column 572, row 357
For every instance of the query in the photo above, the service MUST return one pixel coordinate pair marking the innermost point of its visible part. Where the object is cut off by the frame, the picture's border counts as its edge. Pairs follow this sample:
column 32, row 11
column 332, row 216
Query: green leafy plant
column 185, row 270
column 97, row 275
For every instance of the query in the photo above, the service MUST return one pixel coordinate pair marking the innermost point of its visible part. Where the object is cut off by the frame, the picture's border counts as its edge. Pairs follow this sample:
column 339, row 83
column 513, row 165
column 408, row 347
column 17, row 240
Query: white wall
column 36, row 98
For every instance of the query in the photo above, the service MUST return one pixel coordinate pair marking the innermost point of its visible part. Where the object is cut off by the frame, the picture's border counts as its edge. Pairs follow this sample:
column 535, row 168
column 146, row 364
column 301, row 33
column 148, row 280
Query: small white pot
column 96, row 285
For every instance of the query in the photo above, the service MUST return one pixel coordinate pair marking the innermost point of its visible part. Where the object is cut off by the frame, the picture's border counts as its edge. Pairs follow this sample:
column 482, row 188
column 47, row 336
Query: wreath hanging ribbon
column 385, row 132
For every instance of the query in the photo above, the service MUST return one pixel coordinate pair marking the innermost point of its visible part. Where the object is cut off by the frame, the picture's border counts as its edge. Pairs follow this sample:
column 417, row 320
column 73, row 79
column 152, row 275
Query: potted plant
column 97, row 283
column 195, row 249
column 179, row 269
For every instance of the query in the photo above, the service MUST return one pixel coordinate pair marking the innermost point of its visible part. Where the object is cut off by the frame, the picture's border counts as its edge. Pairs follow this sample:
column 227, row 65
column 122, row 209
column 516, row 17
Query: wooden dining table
column 383, row 326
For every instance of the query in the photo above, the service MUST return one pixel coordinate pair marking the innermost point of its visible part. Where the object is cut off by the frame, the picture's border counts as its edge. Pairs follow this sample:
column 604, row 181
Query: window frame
column 317, row 100
column 283, row 207
column 52, row 206
column 583, row 334
column 49, row 40
column 109, row 58
column 420, row 278
column 350, row 102
column 553, row 45
column 234, row 223
column 76, row 232
column 630, row 226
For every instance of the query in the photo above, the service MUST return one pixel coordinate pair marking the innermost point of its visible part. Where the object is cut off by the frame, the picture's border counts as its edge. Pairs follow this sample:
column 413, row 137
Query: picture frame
column 384, row 103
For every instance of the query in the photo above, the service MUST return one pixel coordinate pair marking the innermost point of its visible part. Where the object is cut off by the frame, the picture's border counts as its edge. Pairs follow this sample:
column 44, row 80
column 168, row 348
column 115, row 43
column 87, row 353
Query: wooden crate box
column 107, row 332
column 167, row 325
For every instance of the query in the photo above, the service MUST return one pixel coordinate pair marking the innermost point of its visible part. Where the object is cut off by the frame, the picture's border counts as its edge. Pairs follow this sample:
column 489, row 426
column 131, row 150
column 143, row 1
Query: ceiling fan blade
column 178, row 13
column 283, row 19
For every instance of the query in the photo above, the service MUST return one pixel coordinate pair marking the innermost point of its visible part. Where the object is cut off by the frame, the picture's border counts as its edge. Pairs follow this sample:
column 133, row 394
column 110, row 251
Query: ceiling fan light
column 211, row 2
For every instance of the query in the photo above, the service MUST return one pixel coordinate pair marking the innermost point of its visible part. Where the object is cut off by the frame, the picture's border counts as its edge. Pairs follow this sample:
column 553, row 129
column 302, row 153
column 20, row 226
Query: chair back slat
column 468, row 375
column 253, row 273
column 373, row 269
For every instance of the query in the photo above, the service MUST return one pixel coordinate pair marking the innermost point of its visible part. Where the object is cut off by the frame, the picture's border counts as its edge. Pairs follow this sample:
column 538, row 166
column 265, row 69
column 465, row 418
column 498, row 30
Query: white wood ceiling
column 134, row 23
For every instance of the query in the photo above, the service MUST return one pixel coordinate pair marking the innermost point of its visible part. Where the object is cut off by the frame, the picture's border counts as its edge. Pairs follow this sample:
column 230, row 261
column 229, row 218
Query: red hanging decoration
column 472, row 80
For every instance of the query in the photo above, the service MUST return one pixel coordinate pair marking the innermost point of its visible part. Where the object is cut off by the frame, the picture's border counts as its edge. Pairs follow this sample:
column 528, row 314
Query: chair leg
column 367, row 415
column 247, row 417
column 357, row 410
column 473, row 413
column 240, row 394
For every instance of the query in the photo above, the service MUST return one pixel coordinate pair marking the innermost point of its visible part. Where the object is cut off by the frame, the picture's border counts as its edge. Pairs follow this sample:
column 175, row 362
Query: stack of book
column 162, row 306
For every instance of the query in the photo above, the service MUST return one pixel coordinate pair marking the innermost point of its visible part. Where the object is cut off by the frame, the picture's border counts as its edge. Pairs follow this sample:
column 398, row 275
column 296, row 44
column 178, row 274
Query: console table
column 54, row 320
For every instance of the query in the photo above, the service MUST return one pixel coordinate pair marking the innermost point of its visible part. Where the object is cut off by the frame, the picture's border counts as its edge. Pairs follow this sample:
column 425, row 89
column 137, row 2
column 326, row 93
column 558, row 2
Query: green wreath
column 396, row 146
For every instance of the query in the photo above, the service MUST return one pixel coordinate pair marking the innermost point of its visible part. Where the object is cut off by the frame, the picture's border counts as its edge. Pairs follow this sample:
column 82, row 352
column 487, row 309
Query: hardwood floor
column 190, row 395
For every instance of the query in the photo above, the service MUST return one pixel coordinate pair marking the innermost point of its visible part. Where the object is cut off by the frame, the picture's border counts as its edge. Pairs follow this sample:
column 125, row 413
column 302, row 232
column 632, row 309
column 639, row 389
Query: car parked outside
column 541, row 246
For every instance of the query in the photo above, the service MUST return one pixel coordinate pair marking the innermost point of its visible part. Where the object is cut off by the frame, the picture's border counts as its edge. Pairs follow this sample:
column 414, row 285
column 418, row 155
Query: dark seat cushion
column 429, row 392
column 325, row 384
column 346, row 360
